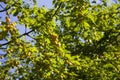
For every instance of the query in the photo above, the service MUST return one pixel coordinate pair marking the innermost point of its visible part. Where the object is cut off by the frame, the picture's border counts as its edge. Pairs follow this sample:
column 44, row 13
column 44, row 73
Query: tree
column 75, row 40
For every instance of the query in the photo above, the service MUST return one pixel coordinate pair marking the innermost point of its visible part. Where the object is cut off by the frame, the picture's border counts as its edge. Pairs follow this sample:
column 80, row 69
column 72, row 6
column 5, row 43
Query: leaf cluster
column 75, row 40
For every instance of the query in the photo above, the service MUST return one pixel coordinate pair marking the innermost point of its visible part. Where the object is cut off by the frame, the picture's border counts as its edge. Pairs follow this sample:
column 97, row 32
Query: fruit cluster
column 54, row 39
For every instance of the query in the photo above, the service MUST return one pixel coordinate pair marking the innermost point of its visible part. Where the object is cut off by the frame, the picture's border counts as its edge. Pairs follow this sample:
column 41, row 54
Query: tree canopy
column 73, row 40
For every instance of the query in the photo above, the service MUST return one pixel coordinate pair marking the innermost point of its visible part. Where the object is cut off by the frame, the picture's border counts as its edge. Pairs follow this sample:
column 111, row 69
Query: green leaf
column 86, row 25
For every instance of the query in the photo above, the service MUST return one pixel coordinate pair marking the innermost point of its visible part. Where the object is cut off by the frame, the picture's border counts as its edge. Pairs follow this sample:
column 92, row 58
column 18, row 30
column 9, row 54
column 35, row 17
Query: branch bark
column 4, row 9
column 57, row 9
column 17, row 37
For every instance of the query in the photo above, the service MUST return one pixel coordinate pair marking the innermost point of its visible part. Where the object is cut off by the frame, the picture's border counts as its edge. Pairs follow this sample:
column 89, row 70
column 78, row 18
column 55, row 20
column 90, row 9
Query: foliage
column 74, row 40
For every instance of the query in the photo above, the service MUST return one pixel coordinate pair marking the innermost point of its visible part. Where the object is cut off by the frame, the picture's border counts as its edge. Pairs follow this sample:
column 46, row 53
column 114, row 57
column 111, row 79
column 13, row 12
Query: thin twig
column 17, row 37
column 2, row 6
column 3, row 48
column 25, row 34
column 57, row 9
column 5, row 9
column 31, row 37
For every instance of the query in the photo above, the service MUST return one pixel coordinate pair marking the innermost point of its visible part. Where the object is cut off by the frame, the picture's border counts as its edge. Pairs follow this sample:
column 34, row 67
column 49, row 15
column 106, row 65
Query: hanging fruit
column 7, row 19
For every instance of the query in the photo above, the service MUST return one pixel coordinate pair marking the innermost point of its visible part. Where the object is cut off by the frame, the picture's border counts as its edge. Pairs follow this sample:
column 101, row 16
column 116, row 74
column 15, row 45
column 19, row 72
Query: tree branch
column 57, row 9
column 5, row 9
column 1, row 6
column 25, row 34
column 17, row 37
column 3, row 48
column 31, row 37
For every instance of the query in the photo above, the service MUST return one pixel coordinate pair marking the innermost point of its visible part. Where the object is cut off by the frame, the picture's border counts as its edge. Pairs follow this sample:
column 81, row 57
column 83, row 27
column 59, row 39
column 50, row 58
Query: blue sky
column 47, row 3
